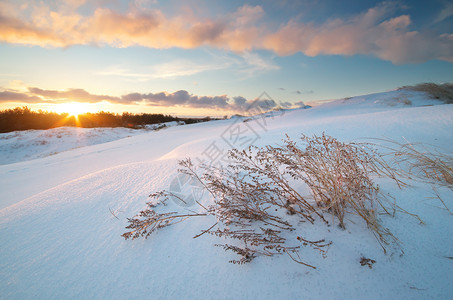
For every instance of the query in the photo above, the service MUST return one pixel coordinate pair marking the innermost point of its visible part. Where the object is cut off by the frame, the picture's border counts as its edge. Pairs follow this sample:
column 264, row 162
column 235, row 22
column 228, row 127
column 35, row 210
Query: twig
column 204, row 231
column 113, row 213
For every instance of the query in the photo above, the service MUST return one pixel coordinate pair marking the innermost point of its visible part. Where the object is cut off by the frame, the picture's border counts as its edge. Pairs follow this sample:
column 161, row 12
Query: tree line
column 23, row 118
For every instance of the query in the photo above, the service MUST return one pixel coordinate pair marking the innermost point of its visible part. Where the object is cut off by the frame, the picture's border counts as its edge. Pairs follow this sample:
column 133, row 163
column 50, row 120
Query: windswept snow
column 62, row 216
column 19, row 146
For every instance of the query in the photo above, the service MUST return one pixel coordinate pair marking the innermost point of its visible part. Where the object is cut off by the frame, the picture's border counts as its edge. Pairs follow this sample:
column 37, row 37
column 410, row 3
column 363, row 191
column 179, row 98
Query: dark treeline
column 22, row 118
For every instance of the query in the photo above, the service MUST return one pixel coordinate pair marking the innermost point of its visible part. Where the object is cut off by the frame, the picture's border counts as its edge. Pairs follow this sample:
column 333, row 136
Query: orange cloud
column 373, row 32
column 13, row 30
column 367, row 34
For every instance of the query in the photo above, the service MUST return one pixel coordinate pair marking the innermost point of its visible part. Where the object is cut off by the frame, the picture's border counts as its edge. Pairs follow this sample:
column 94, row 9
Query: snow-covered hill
column 19, row 146
column 62, row 216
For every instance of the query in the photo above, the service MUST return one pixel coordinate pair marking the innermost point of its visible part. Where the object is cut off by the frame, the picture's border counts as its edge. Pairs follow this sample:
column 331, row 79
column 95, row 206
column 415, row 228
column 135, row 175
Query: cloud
column 74, row 3
column 180, row 68
column 446, row 12
column 239, row 101
column 285, row 104
column 256, row 63
column 178, row 98
column 78, row 95
column 124, row 72
column 376, row 32
column 14, row 96
column 250, row 63
column 299, row 104
column 13, row 30
column 181, row 98
column 303, row 92
column 255, row 106
column 247, row 14
column 371, row 33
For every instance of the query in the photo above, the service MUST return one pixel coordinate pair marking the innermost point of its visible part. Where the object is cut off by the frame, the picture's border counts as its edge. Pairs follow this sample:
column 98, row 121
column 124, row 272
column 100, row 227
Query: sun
column 73, row 108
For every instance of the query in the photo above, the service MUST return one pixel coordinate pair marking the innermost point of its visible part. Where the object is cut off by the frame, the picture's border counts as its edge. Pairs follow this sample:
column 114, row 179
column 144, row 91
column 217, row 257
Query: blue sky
column 208, row 57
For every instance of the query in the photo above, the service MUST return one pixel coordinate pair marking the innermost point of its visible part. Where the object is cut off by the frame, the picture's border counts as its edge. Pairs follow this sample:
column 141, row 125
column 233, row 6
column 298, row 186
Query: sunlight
column 73, row 108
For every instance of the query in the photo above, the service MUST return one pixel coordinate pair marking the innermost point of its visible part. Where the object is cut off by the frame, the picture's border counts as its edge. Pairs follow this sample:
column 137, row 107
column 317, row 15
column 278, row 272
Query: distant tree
column 23, row 118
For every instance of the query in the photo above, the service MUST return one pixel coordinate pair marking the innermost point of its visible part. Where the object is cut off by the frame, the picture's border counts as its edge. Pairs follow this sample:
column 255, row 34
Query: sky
column 200, row 57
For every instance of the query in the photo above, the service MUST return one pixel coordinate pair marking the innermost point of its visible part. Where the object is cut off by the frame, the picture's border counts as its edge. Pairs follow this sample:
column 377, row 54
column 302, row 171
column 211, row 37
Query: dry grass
column 244, row 208
column 418, row 162
column 422, row 163
column 257, row 200
column 437, row 196
column 442, row 92
column 149, row 220
column 339, row 176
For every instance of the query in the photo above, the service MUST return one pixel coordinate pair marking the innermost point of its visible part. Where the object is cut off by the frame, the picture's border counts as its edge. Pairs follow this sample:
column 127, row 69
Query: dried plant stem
column 251, row 194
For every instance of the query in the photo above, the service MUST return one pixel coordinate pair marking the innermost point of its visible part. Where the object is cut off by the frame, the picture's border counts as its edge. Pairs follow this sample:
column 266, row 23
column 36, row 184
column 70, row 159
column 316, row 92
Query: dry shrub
column 422, row 163
column 149, row 220
column 247, row 208
column 257, row 200
column 442, row 92
column 340, row 177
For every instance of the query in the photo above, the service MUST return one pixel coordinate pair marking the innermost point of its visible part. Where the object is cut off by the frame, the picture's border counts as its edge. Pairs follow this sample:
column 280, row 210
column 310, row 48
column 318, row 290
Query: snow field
column 62, row 216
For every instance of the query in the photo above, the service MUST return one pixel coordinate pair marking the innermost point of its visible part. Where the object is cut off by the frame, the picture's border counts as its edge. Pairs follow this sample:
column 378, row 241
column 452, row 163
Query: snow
column 163, row 125
column 62, row 216
column 31, row 144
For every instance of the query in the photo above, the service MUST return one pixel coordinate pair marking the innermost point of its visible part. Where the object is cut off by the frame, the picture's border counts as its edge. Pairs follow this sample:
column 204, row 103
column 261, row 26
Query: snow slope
column 62, row 216
column 31, row 144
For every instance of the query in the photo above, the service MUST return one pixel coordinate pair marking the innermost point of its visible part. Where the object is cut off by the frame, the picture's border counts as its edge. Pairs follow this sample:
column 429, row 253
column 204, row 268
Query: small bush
column 257, row 198
column 442, row 92
column 339, row 176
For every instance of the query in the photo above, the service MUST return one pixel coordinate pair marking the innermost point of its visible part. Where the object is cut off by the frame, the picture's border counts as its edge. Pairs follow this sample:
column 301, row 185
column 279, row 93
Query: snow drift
column 62, row 216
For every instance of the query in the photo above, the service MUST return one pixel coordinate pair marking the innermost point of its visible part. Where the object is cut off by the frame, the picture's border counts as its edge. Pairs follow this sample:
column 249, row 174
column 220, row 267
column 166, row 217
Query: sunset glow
column 73, row 108
column 209, row 57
